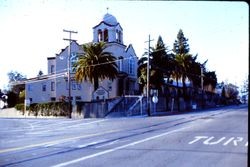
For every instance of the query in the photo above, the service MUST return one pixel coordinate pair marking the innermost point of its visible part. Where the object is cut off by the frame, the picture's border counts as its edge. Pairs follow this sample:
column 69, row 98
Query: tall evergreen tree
column 181, row 45
column 183, row 61
column 158, row 64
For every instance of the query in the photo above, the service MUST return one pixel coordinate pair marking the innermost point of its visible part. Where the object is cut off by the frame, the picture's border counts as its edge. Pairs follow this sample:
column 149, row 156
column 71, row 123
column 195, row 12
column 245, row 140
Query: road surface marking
column 197, row 138
column 208, row 141
column 118, row 148
column 56, row 141
column 223, row 140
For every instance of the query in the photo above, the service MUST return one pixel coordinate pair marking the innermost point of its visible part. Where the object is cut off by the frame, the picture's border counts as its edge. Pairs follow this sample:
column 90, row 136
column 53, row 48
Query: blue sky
column 32, row 30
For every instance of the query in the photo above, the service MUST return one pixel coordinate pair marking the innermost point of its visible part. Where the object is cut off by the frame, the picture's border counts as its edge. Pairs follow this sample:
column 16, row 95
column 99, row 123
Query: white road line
column 107, row 144
column 118, row 148
column 89, row 144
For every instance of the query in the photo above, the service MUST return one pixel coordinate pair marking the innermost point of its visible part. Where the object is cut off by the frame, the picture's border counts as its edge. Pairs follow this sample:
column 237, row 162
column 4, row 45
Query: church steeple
column 108, row 30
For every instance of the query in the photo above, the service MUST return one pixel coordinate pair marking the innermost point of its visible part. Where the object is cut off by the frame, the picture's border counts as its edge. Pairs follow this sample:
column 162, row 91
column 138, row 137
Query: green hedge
column 46, row 109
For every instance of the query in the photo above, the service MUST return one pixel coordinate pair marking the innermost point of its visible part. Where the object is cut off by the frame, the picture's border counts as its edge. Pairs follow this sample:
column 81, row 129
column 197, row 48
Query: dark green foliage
column 95, row 64
column 12, row 98
column 158, row 64
column 46, row 109
column 210, row 78
column 16, row 85
column 19, row 107
column 161, row 66
column 180, row 45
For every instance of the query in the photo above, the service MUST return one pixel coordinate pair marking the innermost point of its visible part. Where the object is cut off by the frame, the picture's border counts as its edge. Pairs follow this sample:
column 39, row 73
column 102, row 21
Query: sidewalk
column 10, row 113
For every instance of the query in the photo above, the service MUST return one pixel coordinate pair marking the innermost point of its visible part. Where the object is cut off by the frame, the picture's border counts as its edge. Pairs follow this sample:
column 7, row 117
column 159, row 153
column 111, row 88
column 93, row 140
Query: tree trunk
column 184, row 92
column 96, row 83
column 178, row 96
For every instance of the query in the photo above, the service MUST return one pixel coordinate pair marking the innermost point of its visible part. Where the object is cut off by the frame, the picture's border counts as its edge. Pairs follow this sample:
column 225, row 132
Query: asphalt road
column 216, row 138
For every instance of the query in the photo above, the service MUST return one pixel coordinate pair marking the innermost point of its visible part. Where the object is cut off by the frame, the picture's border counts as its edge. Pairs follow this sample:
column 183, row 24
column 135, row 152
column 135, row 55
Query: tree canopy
column 176, row 63
column 95, row 64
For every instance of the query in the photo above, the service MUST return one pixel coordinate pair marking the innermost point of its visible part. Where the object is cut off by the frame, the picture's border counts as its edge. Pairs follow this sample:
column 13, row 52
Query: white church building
column 54, row 85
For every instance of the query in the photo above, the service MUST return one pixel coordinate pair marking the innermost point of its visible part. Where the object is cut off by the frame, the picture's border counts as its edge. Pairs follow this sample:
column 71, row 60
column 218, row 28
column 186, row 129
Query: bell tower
column 108, row 30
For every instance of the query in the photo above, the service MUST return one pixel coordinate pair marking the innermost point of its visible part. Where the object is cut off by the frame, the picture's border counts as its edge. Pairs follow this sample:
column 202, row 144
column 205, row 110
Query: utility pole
column 148, row 76
column 68, row 69
column 202, row 100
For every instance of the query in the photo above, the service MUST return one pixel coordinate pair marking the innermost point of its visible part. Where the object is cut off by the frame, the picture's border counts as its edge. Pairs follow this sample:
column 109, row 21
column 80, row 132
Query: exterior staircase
column 128, row 106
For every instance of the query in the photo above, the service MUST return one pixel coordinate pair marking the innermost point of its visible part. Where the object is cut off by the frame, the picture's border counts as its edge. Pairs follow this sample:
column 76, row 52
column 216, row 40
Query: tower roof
column 109, row 19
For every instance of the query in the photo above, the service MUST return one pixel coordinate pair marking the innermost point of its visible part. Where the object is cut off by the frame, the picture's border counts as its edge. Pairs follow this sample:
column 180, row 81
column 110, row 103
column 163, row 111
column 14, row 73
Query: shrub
column 49, row 109
column 19, row 107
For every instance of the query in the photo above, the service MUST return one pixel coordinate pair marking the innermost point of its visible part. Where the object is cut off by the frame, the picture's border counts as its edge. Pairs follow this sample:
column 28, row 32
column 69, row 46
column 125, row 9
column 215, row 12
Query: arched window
column 120, row 36
column 131, row 66
column 117, row 36
column 106, row 35
column 99, row 35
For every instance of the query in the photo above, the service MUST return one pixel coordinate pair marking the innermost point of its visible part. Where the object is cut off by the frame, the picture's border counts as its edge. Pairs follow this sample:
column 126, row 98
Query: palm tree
column 176, row 75
column 184, row 61
column 142, row 72
column 95, row 64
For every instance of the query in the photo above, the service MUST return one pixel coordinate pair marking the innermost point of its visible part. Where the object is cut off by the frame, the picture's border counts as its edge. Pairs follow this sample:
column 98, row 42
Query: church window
column 118, row 36
column 131, row 66
column 106, row 36
column 52, row 69
column 99, row 35
column 73, row 85
column 52, row 86
column 44, row 87
column 120, row 63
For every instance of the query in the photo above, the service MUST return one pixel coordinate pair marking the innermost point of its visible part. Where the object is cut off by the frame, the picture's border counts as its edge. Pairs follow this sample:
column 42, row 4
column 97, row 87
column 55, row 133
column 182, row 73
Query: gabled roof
column 110, row 25
column 62, row 50
column 130, row 47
